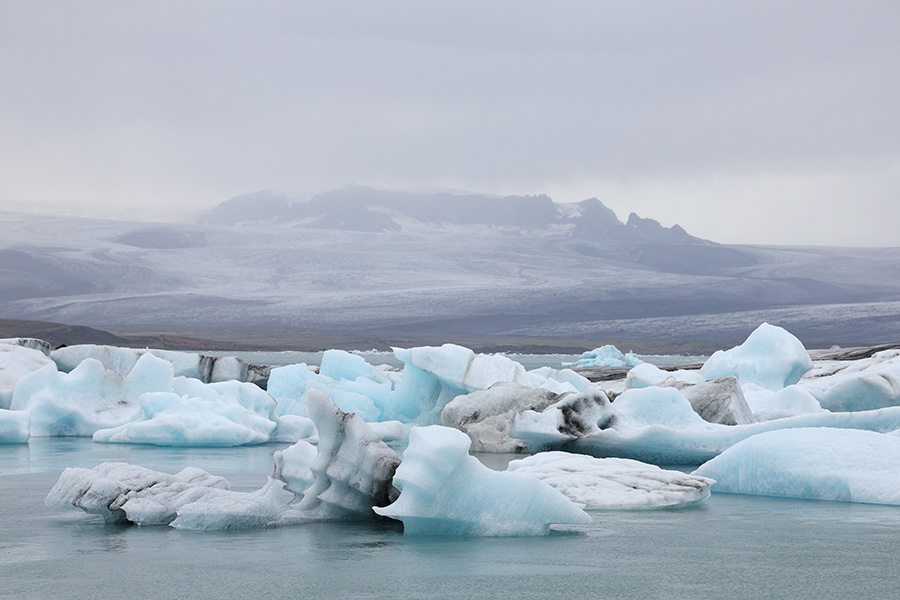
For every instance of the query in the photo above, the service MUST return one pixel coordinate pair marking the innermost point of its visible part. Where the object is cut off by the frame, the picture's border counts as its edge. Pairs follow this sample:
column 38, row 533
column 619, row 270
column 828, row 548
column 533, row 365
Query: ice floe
column 613, row 483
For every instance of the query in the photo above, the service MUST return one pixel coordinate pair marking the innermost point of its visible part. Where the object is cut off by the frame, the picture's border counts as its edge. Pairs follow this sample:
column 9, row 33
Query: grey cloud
column 201, row 101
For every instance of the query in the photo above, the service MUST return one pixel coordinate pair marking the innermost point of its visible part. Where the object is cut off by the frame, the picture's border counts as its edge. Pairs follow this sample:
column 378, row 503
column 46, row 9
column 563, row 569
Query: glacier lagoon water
column 731, row 546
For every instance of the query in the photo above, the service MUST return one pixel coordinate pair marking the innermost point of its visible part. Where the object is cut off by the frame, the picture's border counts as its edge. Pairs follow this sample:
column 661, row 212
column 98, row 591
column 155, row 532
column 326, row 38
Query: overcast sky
column 745, row 122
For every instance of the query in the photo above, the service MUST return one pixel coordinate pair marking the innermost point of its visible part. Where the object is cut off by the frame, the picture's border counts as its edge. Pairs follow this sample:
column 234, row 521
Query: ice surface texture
column 444, row 491
column 822, row 464
column 613, row 483
column 121, row 493
column 16, row 361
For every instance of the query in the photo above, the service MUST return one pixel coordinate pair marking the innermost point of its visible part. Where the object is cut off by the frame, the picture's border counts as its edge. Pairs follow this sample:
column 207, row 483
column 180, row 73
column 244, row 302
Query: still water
column 729, row 547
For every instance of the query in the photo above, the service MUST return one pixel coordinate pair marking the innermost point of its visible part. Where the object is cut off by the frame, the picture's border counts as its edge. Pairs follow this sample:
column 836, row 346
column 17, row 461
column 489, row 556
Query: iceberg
column 815, row 463
column 431, row 378
column 15, row 426
column 208, row 369
column 865, row 384
column 607, row 357
column 444, row 491
column 124, row 493
column 169, row 419
column 659, row 426
column 352, row 469
column 770, row 357
column 791, row 401
column 649, row 375
column 613, row 483
column 77, row 403
column 17, row 361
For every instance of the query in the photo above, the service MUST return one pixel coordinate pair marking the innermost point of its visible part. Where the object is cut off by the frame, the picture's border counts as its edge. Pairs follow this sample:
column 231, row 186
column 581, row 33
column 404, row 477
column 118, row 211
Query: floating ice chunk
column 444, row 491
column 864, row 384
column 607, row 357
column 185, row 364
column 659, row 426
column 15, row 426
column 485, row 415
column 791, row 401
column 823, row 464
column 74, row 404
column 770, row 357
column 353, row 468
column 17, row 361
column 719, row 400
column 556, row 380
column 613, row 483
column 110, row 488
column 648, row 375
column 168, row 419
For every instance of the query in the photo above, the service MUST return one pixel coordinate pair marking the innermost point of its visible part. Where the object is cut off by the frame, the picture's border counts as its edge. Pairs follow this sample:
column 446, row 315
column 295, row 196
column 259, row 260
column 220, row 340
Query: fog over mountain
column 380, row 266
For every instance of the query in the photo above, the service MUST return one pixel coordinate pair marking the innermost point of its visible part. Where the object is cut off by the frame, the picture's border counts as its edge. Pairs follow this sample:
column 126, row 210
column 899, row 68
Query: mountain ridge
column 365, row 209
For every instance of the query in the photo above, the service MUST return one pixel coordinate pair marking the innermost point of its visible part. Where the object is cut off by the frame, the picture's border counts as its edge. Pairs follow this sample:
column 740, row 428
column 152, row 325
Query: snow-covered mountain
column 370, row 210
column 387, row 266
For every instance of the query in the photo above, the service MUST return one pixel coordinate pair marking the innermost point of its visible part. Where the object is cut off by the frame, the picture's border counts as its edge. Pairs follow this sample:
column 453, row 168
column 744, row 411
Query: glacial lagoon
column 728, row 546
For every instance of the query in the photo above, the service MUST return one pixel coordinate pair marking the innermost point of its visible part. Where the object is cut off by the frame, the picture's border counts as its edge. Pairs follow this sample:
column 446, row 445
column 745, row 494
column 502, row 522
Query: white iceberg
column 77, row 403
column 122, row 493
column 17, row 361
column 816, row 463
column 208, row 369
column 169, row 419
column 770, row 357
column 444, row 491
column 865, row 384
column 607, row 357
column 352, row 468
column 15, row 426
column 659, row 426
column 613, row 483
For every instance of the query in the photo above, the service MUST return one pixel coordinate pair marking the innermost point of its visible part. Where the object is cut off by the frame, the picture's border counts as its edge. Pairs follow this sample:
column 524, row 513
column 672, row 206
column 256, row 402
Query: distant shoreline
column 251, row 339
